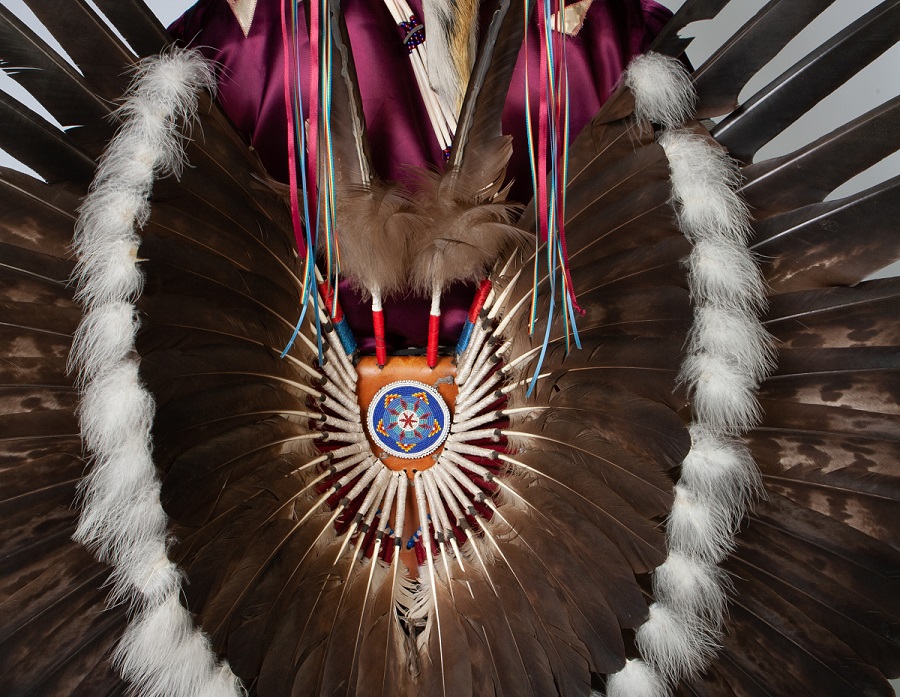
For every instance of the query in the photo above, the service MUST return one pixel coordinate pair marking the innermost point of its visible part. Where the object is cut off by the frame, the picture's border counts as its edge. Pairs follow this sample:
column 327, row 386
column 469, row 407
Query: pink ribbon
column 289, row 82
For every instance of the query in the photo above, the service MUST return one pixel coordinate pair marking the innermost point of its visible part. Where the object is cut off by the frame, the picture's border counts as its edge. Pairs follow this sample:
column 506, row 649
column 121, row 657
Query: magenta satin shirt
column 251, row 93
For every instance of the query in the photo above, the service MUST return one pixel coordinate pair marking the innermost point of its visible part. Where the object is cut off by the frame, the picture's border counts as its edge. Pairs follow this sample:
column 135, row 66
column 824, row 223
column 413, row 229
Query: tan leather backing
column 372, row 378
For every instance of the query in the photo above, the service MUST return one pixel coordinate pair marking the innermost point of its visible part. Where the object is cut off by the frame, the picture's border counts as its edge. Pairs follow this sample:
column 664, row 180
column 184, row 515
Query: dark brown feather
column 55, row 84
column 479, row 122
column 101, row 56
column 809, row 174
column 642, row 483
column 638, row 540
column 720, row 79
column 140, row 27
column 553, row 534
column 41, row 146
column 837, row 317
column 669, row 41
column 826, row 236
column 824, row 664
column 819, row 585
column 38, row 218
column 783, row 101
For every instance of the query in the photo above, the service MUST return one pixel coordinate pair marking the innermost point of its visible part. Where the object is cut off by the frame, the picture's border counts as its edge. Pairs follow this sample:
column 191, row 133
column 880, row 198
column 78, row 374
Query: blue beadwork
column 408, row 419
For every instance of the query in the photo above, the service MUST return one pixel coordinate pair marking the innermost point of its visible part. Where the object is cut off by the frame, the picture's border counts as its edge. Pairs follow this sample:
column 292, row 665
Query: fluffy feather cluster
column 728, row 354
column 376, row 224
column 662, row 90
column 451, row 228
column 122, row 521
column 468, row 224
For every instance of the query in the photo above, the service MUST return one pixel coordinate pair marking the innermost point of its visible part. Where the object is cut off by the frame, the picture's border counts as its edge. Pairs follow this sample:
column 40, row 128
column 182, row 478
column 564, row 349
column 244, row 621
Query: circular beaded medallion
column 408, row 419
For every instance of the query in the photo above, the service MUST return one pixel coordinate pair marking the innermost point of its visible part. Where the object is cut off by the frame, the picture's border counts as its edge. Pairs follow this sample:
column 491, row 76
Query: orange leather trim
column 372, row 378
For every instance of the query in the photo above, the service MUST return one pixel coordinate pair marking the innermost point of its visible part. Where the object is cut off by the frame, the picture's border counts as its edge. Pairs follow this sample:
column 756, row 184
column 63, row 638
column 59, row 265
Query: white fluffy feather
column 723, row 394
column 704, row 184
column 122, row 520
column 728, row 354
column 724, row 273
column 120, row 506
column 722, row 469
column 673, row 643
column 699, row 526
column 636, row 679
column 690, row 587
column 145, row 570
column 104, row 338
column 163, row 655
column 735, row 336
column 662, row 88
column 116, row 411
column 106, row 245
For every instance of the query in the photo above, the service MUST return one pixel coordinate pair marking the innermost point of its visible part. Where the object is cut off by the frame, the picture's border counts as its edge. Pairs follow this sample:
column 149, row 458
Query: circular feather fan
column 701, row 500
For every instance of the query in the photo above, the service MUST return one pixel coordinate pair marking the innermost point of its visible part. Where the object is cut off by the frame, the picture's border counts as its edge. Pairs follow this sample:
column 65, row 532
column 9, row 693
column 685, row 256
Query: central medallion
column 408, row 419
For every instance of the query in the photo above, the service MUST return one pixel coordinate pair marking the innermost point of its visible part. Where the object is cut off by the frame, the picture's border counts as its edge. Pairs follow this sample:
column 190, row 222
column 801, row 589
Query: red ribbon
column 330, row 303
column 312, row 138
column 289, row 84
column 541, row 193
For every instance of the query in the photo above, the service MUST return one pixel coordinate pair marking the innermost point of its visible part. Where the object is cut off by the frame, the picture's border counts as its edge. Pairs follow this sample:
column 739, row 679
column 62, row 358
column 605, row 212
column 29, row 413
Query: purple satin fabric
column 251, row 93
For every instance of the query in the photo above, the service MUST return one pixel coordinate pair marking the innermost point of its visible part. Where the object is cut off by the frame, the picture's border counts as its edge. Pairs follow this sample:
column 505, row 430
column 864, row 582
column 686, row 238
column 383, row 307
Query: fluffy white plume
column 662, row 88
column 735, row 336
column 723, row 394
column 106, row 245
column 728, row 355
column 120, row 506
column 690, row 587
column 721, row 469
column 636, row 679
column 146, row 572
column 116, row 411
column 162, row 96
column 724, row 273
column 122, row 521
column 163, row 655
column 104, row 338
column 673, row 644
column 699, row 526
column 162, row 99
column 704, row 184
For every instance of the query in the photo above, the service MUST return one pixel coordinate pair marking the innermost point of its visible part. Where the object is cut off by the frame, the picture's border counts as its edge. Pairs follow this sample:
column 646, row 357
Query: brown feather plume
column 376, row 225
column 466, row 227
